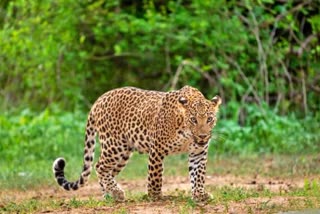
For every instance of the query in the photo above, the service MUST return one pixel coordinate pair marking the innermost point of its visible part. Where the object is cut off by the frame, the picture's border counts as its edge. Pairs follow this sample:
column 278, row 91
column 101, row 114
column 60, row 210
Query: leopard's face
column 201, row 117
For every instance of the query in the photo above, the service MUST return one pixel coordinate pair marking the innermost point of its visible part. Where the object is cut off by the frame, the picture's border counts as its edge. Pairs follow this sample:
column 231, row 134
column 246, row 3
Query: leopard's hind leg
column 113, row 158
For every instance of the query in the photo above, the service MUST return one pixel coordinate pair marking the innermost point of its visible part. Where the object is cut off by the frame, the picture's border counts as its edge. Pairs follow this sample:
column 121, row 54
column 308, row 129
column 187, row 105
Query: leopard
column 150, row 122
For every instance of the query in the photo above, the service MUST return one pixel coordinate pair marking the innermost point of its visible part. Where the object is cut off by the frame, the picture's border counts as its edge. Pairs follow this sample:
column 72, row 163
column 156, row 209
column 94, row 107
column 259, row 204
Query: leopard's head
column 200, row 115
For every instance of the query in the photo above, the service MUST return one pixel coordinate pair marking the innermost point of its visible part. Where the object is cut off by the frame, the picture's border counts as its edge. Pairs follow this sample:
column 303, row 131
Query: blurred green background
column 57, row 57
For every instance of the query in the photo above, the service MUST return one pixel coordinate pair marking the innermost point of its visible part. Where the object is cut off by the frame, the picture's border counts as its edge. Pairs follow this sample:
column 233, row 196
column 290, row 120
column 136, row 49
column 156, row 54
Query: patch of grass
column 269, row 165
column 311, row 188
column 26, row 206
column 283, row 166
column 137, row 167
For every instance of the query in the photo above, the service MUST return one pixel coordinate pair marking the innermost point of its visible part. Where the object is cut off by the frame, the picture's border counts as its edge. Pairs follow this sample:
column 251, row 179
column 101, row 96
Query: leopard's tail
column 59, row 163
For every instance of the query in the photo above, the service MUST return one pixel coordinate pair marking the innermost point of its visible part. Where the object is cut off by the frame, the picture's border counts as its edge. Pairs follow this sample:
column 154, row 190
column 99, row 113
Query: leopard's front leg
column 155, row 174
column 197, row 172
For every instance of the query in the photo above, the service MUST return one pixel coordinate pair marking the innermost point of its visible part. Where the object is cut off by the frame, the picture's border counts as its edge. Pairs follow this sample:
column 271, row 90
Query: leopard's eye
column 193, row 120
column 210, row 119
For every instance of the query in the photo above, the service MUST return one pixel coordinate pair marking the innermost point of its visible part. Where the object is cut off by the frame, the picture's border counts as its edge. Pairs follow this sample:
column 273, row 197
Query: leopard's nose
column 203, row 136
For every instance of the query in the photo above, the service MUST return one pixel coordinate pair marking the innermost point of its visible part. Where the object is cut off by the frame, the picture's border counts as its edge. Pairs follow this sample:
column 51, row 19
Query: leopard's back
column 128, row 115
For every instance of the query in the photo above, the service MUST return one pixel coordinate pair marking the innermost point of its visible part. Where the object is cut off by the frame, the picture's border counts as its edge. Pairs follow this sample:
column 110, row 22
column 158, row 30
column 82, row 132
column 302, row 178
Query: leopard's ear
column 183, row 100
column 216, row 100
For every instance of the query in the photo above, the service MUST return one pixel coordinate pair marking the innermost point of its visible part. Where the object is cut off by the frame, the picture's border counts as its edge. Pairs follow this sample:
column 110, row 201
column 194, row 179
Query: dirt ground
column 92, row 191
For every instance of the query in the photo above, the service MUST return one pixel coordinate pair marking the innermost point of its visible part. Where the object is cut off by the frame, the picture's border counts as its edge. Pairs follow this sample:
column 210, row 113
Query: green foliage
column 69, row 52
column 38, row 59
column 266, row 132
column 32, row 136
column 32, row 141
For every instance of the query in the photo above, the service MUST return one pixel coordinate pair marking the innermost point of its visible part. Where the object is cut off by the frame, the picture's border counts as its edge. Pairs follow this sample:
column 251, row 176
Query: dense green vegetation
column 56, row 57
column 69, row 52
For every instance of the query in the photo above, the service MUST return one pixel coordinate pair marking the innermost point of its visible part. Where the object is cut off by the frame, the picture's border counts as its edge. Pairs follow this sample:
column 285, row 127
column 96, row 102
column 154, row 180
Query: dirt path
column 92, row 190
column 164, row 206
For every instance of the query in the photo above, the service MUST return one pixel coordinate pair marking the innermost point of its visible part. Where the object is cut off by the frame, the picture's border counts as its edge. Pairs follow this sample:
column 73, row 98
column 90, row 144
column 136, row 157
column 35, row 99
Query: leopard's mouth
column 201, row 142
